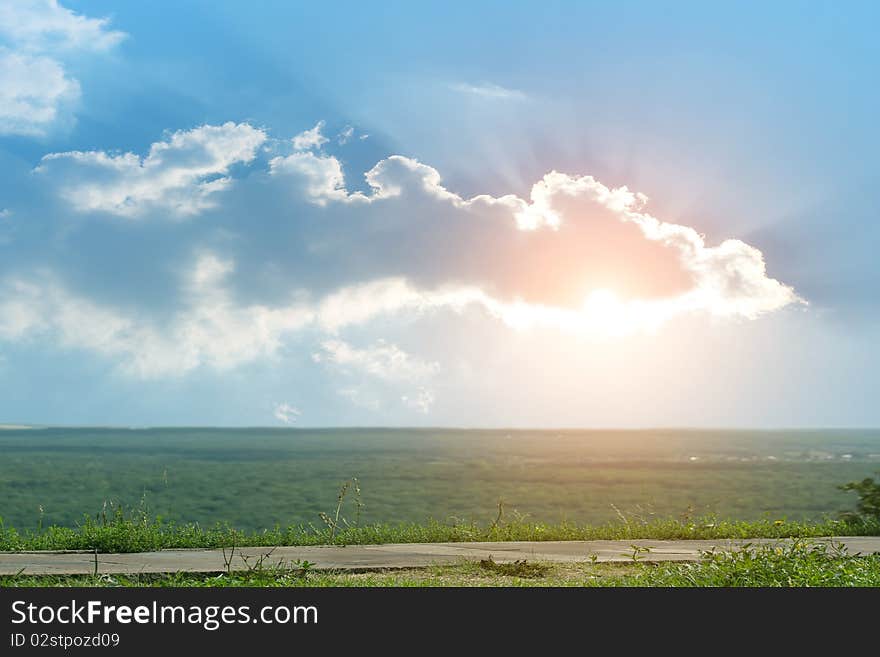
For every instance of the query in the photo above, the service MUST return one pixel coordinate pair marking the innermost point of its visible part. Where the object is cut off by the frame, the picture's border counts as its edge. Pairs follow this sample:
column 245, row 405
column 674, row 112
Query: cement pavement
column 379, row 557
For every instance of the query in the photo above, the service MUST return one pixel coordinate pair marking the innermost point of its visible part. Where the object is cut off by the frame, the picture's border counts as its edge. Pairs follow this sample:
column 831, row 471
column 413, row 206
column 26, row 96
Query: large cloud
column 179, row 176
column 575, row 255
column 209, row 329
column 36, row 93
column 574, row 248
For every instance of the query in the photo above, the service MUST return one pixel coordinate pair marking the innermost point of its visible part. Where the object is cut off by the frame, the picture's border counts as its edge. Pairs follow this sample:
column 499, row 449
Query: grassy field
column 800, row 564
column 252, row 479
column 140, row 533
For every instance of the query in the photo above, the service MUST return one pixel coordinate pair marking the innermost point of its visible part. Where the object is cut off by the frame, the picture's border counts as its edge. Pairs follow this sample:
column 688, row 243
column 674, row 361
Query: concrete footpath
column 380, row 557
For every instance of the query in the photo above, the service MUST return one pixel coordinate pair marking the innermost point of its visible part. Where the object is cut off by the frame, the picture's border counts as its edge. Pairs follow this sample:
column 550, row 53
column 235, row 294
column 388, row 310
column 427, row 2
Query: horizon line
column 12, row 426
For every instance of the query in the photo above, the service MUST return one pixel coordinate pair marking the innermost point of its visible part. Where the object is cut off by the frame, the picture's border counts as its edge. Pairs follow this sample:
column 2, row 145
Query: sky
column 554, row 214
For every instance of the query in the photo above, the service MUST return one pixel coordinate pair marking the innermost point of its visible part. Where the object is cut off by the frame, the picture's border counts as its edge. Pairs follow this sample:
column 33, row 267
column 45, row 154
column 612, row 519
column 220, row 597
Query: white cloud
column 210, row 330
column 286, row 413
column 320, row 179
column 345, row 135
column 385, row 362
column 382, row 360
column 361, row 398
column 310, row 139
column 490, row 91
column 321, row 176
column 421, row 401
column 36, row 92
column 575, row 256
column 43, row 25
column 179, row 176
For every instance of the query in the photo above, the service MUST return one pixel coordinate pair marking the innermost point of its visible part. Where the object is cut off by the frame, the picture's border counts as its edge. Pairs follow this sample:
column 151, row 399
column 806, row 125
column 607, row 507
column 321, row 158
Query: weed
column 519, row 568
column 122, row 532
column 333, row 522
column 868, row 491
column 227, row 560
column 638, row 552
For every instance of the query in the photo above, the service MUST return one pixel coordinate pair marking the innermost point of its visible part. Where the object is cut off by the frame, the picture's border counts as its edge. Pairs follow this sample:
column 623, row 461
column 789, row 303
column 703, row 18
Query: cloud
column 179, row 176
column 209, row 329
column 488, row 91
column 286, row 413
column 317, row 176
column 360, row 303
column 422, row 401
column 34, row 91
column 345, row 135
column 310, row 139
column 575, row 256
column 320, row 177
column 382, row 360
column 361, row 398
column 42, row 25
column 36, row 36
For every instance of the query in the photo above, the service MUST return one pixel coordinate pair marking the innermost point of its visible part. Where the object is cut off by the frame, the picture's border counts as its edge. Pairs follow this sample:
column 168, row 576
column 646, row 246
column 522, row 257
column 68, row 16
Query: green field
column 257, row 478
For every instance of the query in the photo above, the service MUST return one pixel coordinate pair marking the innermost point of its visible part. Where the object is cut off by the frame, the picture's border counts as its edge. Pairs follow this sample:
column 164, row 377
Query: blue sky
column 540, row 214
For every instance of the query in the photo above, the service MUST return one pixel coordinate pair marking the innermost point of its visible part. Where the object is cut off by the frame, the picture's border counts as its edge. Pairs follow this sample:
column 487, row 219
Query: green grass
column 139, row 533
column 798, row 564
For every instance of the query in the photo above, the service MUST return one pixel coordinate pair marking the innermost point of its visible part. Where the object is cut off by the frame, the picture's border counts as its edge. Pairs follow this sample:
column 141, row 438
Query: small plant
column 497, row 522
column 868, row 491
column 359, row 505
column 638, row 552
column 519, row 568
column 257, row 566
column 333, row 522
column 227, row 561
column 300, row 566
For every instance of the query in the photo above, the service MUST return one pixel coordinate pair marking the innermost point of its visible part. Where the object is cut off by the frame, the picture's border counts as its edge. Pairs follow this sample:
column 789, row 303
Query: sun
column 607, row 313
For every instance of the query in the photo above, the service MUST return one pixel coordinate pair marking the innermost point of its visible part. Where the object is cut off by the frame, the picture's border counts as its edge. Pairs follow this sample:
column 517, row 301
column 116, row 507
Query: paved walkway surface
column 378, row 557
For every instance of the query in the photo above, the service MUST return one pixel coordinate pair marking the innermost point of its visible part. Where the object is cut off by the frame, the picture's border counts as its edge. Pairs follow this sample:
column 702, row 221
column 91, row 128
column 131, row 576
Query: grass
column 797, row 564
column 138, row 532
